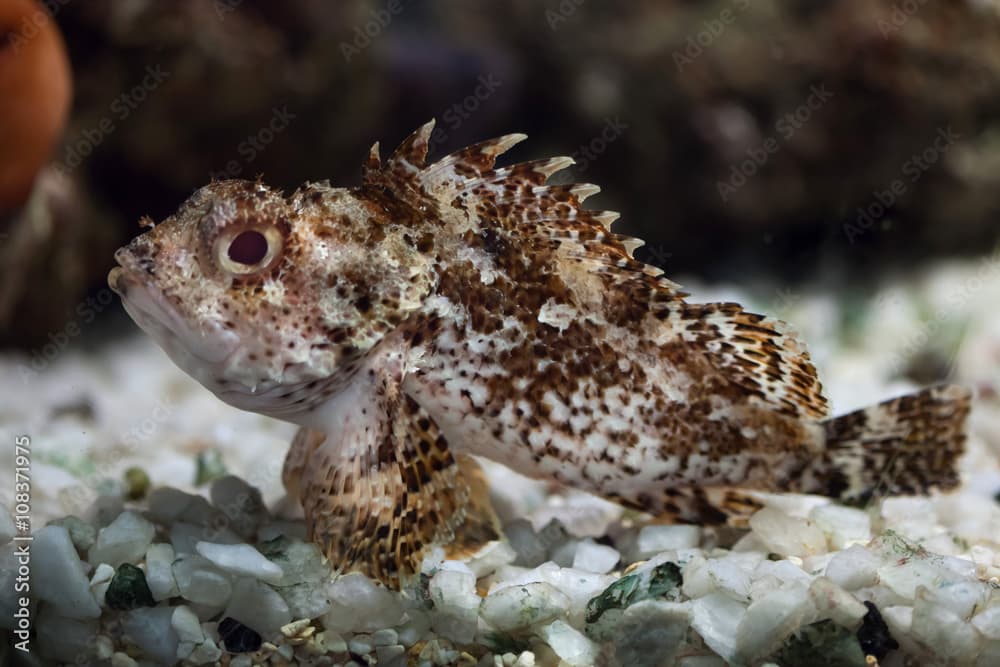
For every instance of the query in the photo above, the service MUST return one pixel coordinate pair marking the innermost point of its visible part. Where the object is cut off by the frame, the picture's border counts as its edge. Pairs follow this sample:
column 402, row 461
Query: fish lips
column 150, row 308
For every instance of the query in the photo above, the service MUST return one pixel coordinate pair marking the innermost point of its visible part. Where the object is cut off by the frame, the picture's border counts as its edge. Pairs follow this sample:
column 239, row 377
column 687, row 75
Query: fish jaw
column 199, row 353
column 212, row 355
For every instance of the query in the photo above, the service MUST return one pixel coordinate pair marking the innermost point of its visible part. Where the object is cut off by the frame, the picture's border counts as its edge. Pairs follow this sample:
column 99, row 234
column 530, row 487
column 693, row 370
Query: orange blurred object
column 35, row 91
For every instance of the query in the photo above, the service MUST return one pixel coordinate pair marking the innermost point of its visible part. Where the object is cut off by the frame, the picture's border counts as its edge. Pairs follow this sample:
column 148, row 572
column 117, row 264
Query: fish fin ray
column 380, row 511
column 906, row 445
column 761, row 355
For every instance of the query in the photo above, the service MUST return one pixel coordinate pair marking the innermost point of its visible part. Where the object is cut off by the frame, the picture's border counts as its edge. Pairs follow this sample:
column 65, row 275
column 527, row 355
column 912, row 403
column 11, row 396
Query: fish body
column 454, row 308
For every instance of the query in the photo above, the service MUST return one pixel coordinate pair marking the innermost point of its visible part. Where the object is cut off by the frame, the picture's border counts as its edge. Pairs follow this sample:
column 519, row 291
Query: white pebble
column 124, row 540
column 456, row 605
column 186, row 624
column 415, row 628
column 120, row 659
column 900, row 509
column 787, row 535
column 195, row 645
column 160, row 573
column 941, row 629
column 593, row 557
column 517, row 607
column 772, row 619
column 205, row 653
column 704, row 576
column 357, row 604
column 749, row 543
column 899, row 620
column 716, row 618
column 833, row 602
column 577, row 585
column 62, row 638
column 305, row 600
column 258, row 606
column 843, row 526
column 361, row 644
column 526, row 659
column 654, row 539
column 199, row 581
column 104, row 647
column 58, row 575
column 490, row 558
column 651, row 632
column 385, row 637
column 332, row 642
column 100, row 581
column 572, row 646
column 241, row 560
column 963, row 596
column 152, row 631
column 904, row 576
column 988, row 622
column 853, row 568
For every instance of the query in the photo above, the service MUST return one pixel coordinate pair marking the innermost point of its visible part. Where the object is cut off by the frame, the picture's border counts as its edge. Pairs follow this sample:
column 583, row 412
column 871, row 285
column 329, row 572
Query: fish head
column 272, row 302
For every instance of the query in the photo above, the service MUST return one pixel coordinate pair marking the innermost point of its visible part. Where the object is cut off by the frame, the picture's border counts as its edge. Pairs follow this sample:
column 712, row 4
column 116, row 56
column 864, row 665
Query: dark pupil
column 248, row 248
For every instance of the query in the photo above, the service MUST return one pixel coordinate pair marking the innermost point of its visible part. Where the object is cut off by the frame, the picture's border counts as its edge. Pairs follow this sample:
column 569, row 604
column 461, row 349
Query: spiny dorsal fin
column 404, row 163
column 371, row 170
column 457, row 170
column 516, row 201
column 413, row 150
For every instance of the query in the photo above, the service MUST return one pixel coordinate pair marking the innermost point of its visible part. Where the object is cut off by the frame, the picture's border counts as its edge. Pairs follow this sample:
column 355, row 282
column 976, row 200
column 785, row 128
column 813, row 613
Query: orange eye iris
column 249, row 248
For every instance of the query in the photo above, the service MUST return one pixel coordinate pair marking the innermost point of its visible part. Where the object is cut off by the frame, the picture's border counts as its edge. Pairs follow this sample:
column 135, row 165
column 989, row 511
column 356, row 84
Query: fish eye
column 249, row 248
column 249, row 251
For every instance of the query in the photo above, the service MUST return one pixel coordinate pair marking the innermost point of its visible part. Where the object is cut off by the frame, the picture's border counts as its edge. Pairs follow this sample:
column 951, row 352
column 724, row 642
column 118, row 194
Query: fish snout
column 135, row 260
column 116, row 281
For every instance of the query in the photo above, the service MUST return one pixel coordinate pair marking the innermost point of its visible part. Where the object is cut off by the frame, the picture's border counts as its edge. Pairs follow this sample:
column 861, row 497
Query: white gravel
column 241, row 559
column 124, row 540
column 64, row 584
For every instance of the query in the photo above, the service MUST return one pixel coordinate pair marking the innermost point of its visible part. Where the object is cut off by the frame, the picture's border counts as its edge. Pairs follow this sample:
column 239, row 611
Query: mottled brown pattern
column 460, row 307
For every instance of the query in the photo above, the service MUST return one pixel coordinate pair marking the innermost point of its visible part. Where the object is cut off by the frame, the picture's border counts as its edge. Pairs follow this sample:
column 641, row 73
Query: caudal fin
column 907, row 445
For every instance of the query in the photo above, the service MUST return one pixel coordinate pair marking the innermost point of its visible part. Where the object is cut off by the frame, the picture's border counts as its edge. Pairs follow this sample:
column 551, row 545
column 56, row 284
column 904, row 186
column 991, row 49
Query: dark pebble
column 128, row 589
column 873, row 635
column 237, row 637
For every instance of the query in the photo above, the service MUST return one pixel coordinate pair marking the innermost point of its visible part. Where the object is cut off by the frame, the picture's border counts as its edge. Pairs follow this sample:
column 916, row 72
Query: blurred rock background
column 806, row 140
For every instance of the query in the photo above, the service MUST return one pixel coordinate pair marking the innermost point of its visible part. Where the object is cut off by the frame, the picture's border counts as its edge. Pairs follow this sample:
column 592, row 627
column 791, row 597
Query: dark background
column 821, row 107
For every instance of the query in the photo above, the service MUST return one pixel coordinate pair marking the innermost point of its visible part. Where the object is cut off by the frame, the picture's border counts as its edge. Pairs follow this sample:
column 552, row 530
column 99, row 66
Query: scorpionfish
column 455, row 309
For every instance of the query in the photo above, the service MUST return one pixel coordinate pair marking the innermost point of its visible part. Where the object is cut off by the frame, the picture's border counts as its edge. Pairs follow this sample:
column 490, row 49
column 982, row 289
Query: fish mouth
column 152, row 310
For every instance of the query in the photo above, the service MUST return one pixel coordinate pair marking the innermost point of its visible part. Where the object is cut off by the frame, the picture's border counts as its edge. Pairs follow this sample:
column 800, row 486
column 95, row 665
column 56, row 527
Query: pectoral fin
column 378, row 508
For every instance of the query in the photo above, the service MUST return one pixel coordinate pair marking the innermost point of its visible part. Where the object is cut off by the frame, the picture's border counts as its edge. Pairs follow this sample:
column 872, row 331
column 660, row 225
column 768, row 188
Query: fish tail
column 907, row 445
